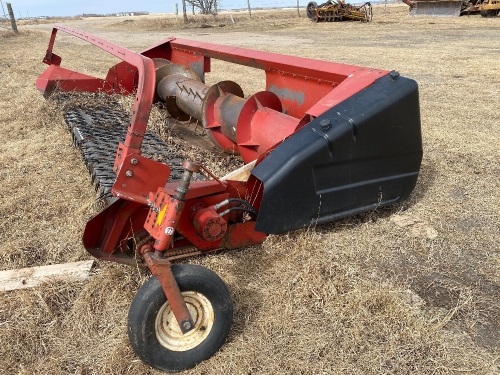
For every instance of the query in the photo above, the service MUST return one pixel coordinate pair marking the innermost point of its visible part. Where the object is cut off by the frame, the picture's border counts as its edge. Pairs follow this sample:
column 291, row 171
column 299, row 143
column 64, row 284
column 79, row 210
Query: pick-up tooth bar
column 97, row 132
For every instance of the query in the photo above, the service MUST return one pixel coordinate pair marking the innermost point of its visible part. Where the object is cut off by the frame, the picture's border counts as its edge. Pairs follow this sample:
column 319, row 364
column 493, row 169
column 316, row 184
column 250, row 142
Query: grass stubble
column 412, row 289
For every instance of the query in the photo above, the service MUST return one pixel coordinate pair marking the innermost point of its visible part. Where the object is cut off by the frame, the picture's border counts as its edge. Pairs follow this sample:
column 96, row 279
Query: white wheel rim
column 168, row 331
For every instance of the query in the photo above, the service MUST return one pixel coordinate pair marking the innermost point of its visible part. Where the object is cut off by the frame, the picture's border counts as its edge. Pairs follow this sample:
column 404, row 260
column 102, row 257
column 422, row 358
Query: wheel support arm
column 164, row 223
column 161, row 268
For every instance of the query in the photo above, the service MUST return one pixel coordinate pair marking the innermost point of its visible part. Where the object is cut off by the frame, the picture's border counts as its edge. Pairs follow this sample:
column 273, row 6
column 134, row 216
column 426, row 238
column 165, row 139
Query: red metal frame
column 69, row 80
column 297, row 90
column 306, row 88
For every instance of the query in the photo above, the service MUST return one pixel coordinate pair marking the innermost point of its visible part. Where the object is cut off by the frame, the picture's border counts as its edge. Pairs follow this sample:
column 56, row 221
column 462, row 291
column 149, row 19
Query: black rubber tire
column 489, row 13
column 146, row 306
column 310, row 9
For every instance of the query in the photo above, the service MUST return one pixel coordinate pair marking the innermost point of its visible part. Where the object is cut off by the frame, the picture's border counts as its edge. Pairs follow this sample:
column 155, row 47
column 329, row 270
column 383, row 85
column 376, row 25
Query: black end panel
column 361, row 154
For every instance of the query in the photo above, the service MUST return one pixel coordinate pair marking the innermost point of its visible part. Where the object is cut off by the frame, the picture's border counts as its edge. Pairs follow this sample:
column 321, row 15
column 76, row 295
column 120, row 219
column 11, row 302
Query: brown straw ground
column 412, row 289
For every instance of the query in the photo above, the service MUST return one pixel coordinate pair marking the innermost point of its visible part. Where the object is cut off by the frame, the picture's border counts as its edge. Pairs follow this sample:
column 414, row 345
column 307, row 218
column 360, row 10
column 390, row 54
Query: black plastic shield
column 361, row 154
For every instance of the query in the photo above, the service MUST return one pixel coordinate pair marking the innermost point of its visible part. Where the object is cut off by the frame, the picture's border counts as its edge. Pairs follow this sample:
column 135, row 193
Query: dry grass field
column 413, row 289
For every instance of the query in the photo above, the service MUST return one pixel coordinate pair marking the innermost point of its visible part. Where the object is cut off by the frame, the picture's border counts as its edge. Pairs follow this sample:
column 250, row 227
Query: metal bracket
column 161, row 268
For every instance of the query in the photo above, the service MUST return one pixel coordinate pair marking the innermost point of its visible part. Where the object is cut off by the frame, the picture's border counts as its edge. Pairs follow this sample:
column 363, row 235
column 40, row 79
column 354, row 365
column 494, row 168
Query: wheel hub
column 168, row 331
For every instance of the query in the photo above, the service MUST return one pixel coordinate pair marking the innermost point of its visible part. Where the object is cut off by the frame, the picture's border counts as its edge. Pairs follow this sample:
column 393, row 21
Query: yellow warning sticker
column 161, row 214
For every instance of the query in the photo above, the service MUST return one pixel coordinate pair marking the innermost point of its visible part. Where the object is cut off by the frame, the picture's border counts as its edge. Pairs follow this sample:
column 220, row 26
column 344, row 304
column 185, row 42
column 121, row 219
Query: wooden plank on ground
column 29, row 277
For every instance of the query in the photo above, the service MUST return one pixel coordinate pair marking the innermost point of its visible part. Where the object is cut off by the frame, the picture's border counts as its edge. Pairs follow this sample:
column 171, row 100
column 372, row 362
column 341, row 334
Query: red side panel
column 68, row 80
column 297, row 93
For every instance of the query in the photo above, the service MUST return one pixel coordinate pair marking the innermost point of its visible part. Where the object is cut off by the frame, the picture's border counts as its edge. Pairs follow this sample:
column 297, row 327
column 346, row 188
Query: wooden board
column 30, row 277
column 240, row 174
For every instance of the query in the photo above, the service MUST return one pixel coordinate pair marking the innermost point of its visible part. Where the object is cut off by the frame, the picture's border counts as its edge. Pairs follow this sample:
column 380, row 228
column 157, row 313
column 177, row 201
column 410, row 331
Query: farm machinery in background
column 487, row 8
column 322, row 142
column 339, row 10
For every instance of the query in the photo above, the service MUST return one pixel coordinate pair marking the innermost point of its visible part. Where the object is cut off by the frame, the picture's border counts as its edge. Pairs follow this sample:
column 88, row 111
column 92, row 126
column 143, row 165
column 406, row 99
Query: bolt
column 134, row 161
column 325, row 124
column 394, row 75
column 186, row 326
column 128, row 173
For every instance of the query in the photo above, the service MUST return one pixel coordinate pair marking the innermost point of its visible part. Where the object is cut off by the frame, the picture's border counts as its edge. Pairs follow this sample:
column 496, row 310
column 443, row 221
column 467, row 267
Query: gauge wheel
column 488, row 13
column 311, row 9
column 154, row 333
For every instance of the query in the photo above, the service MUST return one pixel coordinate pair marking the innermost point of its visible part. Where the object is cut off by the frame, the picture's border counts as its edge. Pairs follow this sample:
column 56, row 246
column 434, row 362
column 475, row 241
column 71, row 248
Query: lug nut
column 128, row 173
column 134, row 161
column 186, row 326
